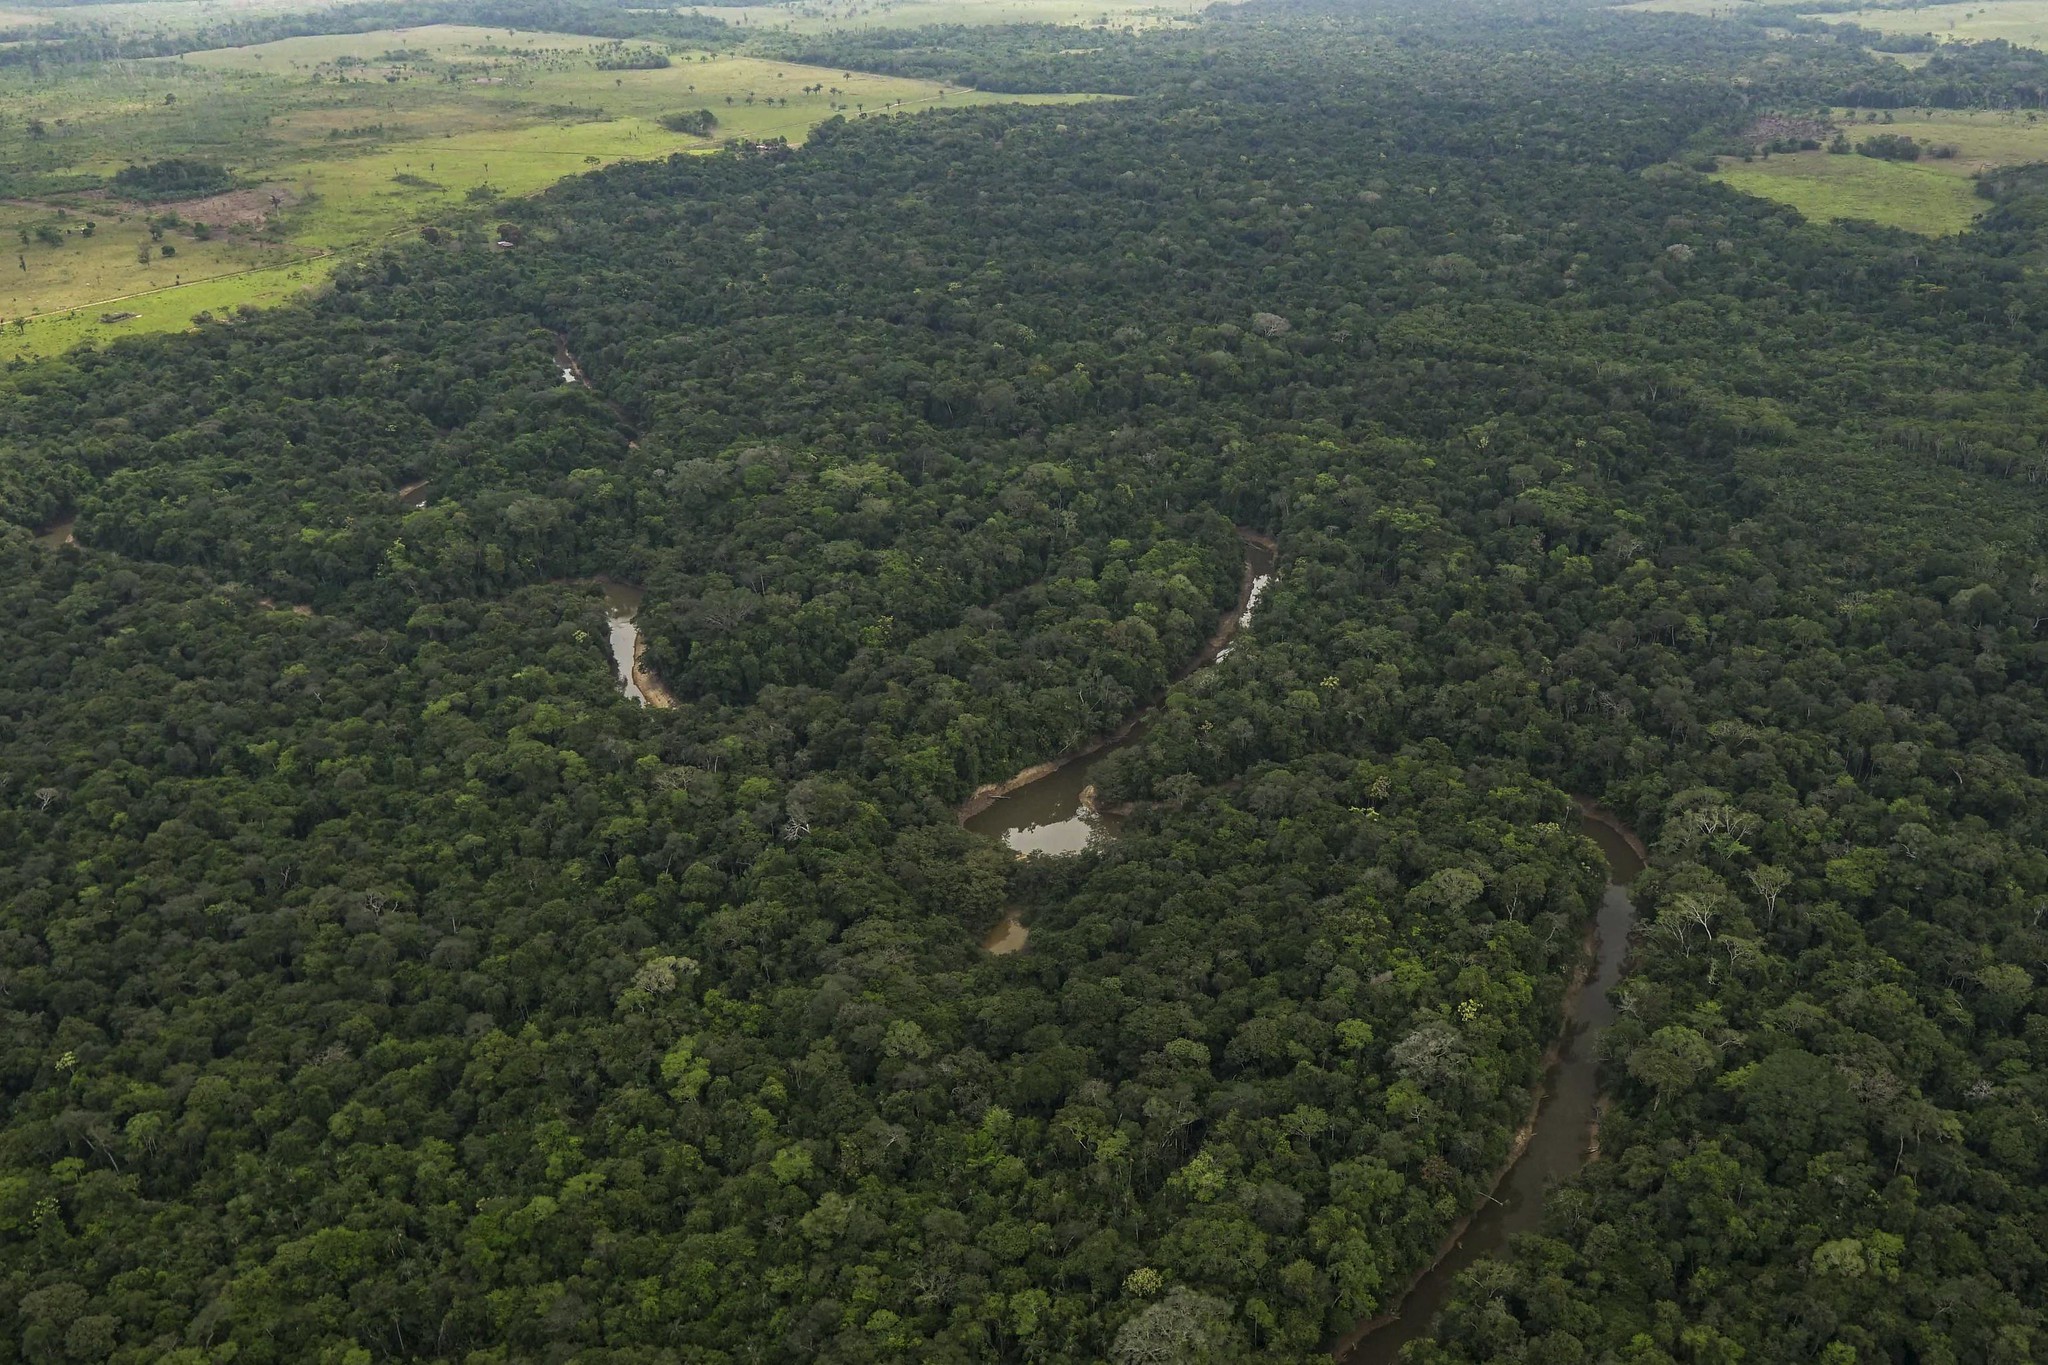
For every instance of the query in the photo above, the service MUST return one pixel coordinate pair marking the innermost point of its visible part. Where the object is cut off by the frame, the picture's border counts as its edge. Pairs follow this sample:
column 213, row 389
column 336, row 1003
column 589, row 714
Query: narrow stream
column 1562, row 1137
column 57, row 534
column 1048, row 814
column 414, row 495
column 621, row 608
column 572, row 372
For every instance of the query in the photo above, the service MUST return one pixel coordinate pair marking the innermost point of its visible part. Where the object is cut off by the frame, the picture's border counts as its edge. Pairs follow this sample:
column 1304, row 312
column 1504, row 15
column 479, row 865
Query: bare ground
column 247, row 208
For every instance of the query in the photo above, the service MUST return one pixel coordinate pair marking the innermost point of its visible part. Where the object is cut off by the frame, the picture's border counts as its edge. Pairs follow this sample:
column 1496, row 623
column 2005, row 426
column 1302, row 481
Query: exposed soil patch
column 235, row 208
column 1778, row 128
column 658, row 696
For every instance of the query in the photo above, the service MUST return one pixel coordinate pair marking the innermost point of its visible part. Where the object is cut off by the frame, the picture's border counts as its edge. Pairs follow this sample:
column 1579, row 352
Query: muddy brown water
column 1006, row 938
column 57, row 534
column 621, row 607
column 1045, row 814
column 1560, row 1137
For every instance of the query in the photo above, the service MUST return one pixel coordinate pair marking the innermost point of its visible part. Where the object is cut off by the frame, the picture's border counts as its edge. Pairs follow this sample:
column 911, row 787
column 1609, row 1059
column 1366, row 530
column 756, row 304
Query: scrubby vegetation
column 695, row 122
column 176, row 178
column 1890, row 147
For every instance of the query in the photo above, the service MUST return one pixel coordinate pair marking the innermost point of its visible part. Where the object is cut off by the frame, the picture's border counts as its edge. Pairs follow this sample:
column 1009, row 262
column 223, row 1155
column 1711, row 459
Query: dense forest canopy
column 380, row 983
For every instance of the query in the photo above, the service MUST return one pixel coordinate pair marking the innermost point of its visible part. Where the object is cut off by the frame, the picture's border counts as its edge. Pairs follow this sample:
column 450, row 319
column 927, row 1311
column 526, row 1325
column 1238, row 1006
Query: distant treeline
column 1834, row 67
column 635, row 61
column 70, row 44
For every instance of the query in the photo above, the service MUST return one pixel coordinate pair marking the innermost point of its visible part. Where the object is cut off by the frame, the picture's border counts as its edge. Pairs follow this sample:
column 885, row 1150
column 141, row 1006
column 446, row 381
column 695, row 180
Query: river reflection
column 1047, row 816
column 621, row 605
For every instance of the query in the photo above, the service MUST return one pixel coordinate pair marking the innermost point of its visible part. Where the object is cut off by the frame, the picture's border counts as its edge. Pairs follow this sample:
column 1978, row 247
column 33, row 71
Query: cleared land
column 338, row 143
column 2023, row 22
column 1930, row 196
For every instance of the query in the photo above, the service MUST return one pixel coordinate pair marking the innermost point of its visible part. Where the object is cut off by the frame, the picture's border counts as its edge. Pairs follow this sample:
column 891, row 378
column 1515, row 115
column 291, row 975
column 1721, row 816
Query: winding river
column 1559, row 1137
column 1049, row 809
column 1042, row 809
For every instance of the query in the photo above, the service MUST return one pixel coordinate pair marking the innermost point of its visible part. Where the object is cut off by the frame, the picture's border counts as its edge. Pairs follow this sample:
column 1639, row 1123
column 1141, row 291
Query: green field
column 1930, row 196
column 338, row 143
column 1913, row 196
column 2021, row 22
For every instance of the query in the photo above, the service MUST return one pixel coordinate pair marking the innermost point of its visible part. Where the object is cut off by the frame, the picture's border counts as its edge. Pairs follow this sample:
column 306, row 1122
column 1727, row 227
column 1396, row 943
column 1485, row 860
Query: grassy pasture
column 434, row 43
column 1908, row 195
column 357, row 145
column 1934, row 197
column 2022, row 22
column 46, row 277
column 167, row 307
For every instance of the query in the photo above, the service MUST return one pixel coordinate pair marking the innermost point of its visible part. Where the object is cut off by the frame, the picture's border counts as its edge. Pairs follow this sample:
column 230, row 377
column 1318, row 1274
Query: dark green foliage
column 380, row 980
column 1890, row 147
column 634, row 61
column 696, row 122
column 173, row 179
